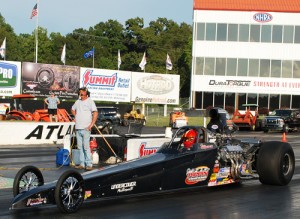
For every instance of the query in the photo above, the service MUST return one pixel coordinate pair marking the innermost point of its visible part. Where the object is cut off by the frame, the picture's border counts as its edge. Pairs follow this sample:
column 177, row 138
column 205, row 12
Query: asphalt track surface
column 250, row 199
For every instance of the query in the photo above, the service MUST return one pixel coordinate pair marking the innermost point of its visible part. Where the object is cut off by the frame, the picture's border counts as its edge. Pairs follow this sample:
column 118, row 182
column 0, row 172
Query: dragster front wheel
column 27, row 178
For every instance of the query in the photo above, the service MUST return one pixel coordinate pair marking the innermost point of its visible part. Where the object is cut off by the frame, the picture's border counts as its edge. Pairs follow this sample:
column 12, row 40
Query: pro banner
column 40, row 79
column 10, row 78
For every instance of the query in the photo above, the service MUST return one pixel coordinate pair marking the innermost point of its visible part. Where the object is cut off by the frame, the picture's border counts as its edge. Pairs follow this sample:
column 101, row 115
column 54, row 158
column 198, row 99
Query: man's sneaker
column 79, row 167
column 88, row 168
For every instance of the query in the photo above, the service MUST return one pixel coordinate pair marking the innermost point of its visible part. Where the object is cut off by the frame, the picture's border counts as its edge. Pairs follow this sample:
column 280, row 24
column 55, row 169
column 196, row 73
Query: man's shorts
column 52, row 111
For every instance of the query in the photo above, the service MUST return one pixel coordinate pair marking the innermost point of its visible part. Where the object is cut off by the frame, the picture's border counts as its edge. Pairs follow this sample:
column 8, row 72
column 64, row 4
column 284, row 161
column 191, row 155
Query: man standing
column 86, row 113
column 52, row 103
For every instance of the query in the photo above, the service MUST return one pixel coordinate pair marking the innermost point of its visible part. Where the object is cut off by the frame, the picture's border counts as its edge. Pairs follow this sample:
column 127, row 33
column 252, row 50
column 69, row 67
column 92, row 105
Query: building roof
column 249, row 5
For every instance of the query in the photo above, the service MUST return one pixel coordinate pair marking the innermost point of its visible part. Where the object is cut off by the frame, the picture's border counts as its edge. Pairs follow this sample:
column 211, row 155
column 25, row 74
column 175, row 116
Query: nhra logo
column 99, row 80
column 146, row 151
column 262, row 17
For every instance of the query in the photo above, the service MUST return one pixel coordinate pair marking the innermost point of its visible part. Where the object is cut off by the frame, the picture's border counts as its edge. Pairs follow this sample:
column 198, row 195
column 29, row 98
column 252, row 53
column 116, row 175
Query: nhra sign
column 262, row 17
column 9, row 78
column 39, row 79
column 155, row 88
column 106, row 85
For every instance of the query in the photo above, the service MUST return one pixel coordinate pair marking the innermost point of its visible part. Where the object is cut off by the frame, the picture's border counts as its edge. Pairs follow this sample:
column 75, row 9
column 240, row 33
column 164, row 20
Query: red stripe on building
column 248, row 5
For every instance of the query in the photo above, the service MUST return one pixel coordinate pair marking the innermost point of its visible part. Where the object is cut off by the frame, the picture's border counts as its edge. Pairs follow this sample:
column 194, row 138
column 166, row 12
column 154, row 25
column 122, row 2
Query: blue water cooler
column 62, row 157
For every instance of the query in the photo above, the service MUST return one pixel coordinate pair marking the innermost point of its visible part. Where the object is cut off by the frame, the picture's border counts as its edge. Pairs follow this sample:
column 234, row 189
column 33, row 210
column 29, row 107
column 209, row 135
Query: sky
column 64, row 16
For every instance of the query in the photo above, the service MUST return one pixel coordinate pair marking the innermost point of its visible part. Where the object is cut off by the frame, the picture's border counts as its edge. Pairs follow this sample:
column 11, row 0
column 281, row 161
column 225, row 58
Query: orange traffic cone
column 283, row 137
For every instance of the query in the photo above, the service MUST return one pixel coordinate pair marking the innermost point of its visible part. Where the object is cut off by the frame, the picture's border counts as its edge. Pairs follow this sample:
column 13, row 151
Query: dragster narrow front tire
column 276, row 163
column 27, row 178
column 69, row 192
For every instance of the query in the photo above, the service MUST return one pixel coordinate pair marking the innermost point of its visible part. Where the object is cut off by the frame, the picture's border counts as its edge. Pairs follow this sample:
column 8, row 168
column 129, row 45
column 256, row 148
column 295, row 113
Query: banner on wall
column 106, row 85
column 10, row 78
column 39, row 79
column 155, row 88
column 262, row 85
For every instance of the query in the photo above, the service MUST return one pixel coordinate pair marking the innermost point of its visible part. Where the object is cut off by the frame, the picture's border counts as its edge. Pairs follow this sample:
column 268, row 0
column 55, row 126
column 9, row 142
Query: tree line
column 157, row 39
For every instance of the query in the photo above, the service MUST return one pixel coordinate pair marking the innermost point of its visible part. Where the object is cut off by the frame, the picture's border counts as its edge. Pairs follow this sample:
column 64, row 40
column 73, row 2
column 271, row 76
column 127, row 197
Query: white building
column 246, row 51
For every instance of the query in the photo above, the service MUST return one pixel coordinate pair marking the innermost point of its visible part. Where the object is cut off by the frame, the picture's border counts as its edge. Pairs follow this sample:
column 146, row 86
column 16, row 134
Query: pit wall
column 31, row 133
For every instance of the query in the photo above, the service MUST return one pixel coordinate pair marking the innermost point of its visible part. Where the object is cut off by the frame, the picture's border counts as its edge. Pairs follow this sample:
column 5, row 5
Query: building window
column 219, row 99
column 253, row 67
column 200, row 31
column 208, row 99
column 221, row 32
column 288, row 34
column 252, row 99
column 199, row 65
column 287, row 69
column 276, row 68
column 295, row 101
column 296, row 69
column 242, row 67
column 266, row 33
column 274, row 101
column 210, row 34
column 232, row 32
column 231, row 67
column 209, row 67
column 220, row 66
column 297, row 34
column 241, row 100
column 230, row 100
column 277, row 34
column 244, row 33
column 263, row 100
column 285, row 101
column 264, row 68
column 255, row 33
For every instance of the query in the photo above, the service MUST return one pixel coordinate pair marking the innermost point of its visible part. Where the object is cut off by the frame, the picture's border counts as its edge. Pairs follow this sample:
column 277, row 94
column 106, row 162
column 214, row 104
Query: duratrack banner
column 155, row 88
column 106, row 85
column 10, row 73
column 39, row 79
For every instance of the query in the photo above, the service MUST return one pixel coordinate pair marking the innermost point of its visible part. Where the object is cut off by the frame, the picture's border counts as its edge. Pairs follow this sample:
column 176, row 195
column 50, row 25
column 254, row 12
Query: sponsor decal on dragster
column 124, row 187
column 262, row 17
column 220, row 176
column 87, row 194
column 8, row 75
column 195, row 175
column 99, row 80
column 36, row 201
column 144, row 150
column 206, row 146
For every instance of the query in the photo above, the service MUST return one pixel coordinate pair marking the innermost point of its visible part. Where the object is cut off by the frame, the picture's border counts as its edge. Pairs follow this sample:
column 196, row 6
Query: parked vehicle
column 248, row 118
column 284, row 120
column 195, row 157
column 133, row 116
column 107, row 117
column 178, row 118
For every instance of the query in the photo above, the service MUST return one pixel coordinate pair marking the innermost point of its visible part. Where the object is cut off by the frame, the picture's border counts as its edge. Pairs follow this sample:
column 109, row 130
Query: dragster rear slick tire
column 69, row 192
column 27, row 178
column 275, row 163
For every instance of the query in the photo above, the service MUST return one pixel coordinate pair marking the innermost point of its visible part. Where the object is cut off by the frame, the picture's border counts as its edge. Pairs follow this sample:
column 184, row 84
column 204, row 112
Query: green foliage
column 159, row 38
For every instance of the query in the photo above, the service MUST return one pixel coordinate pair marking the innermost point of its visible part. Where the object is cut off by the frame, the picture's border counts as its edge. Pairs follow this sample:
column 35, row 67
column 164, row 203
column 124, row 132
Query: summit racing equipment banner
column 10, row 78
column 155, row 88
column 106, row 85
column 40, row 79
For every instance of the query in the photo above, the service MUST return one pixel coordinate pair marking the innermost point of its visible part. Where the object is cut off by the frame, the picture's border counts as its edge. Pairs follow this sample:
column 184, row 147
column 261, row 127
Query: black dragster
column 215, row 158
